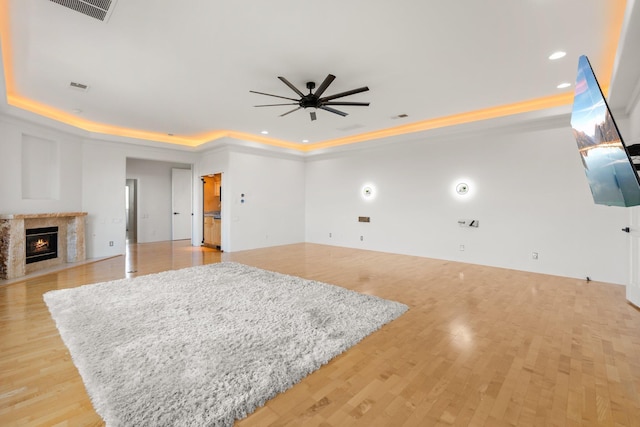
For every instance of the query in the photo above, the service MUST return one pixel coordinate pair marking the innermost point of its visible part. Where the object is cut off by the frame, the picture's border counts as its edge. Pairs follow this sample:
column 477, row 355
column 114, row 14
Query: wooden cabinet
column 216, row 236
column 208, row 230
column 212, row 233
column 211, row 194
column 216, row 186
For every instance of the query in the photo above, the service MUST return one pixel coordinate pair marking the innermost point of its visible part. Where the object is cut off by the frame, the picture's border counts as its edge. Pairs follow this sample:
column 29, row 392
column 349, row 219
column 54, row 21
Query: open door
column 212, row 204
column 181, row 203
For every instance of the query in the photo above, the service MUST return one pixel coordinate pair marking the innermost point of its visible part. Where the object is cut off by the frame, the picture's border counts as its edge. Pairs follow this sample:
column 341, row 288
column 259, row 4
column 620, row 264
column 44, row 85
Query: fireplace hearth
column 41, row 244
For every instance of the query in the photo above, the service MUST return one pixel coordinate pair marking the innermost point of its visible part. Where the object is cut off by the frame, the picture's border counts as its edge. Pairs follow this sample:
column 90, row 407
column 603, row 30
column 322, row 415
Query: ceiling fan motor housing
column 310, row 100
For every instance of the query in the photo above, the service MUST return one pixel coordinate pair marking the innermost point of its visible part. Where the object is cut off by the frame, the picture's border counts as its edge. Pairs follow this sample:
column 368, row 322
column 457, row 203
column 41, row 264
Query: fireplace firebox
column 41, row 244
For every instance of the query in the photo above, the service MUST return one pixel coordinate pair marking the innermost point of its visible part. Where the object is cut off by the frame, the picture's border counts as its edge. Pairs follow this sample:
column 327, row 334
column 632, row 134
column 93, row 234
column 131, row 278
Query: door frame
column 633, row 287
column 131, row 225
column 204, row 210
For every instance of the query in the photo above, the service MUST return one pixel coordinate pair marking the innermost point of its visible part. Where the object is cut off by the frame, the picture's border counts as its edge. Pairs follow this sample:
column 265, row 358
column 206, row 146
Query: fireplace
column 41, row 244
column 13, row 241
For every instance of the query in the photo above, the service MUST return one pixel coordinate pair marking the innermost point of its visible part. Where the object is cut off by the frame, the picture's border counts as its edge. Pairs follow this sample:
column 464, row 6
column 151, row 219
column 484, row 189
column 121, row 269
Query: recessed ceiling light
column 265, row 132
column 563, row 85
column 557, row 55
column 305, row 140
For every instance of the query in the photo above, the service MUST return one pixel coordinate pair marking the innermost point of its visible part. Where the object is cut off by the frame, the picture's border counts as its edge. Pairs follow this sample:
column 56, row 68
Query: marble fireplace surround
column 71, row 241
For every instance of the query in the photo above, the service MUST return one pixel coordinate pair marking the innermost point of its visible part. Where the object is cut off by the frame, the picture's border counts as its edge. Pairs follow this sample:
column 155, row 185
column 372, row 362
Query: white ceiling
column 186, row 67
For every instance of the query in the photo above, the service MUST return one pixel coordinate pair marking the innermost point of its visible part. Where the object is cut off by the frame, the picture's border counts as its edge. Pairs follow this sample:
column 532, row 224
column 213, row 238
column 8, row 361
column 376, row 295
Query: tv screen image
column 612, row 177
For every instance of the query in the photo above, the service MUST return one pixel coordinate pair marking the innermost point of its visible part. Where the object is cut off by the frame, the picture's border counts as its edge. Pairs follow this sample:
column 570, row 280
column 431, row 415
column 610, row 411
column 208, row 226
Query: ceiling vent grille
column 94, row 8
column 78, row 86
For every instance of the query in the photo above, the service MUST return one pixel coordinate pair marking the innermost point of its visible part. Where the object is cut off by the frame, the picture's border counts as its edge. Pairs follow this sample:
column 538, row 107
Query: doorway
column 131, row 210
column 212, row 210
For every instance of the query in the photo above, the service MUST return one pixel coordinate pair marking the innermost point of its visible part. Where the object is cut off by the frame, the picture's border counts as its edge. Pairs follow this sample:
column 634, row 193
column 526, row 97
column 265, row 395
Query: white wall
column 272, row 213
column 94, row 172
column 209, row 163
column 104, row 178
column 103, row 181
column 528, row 190
column 154, row 197
column 273, row 210
column 92, row 179
column 633, row 286
column 68, row 195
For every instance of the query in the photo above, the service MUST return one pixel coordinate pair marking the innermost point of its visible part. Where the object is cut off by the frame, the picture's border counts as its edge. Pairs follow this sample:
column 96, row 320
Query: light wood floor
column 479, row 346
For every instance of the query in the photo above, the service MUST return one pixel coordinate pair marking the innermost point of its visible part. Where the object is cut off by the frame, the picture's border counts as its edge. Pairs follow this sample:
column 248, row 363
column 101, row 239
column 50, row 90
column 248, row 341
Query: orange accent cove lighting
column 14, row 99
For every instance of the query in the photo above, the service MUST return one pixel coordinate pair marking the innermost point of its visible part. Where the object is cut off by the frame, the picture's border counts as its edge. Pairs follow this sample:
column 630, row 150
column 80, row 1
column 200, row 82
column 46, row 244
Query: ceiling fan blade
column 325, row 84
column 363, row 104
column 289, row 112
column 293, row 88
column 333, row 110
column 268, row 94
column 313, row 115
column 275, row 105
column 347, row 93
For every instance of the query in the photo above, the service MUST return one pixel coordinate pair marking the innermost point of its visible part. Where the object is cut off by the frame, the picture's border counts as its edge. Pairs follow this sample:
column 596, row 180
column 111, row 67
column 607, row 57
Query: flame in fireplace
column 41, row 244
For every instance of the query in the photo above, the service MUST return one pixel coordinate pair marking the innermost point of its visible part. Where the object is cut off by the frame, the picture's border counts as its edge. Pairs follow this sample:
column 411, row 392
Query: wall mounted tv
column 613, row 179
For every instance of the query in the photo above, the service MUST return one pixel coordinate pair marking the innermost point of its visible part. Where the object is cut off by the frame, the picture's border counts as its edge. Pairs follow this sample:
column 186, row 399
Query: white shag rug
column 206, row 345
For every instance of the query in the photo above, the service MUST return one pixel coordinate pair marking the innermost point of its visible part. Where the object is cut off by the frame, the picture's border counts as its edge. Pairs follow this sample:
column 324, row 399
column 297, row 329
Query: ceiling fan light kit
column 316, row 100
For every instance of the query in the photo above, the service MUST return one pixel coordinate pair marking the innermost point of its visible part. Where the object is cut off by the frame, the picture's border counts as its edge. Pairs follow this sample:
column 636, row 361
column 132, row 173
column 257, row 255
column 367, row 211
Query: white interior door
column 181, row 183
column 633, row 288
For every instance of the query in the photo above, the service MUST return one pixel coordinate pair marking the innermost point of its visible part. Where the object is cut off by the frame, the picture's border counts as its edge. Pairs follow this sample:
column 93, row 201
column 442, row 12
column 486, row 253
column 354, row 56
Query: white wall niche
column 40, row 159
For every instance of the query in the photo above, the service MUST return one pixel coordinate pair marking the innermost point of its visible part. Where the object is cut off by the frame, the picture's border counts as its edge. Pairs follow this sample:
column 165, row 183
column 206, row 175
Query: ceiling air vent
column 400, row 116
column 94, row 8
column 78, row 86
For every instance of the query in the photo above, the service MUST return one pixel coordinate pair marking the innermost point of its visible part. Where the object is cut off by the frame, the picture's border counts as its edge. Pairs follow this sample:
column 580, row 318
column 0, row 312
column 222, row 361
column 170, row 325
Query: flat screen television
column 612, row 177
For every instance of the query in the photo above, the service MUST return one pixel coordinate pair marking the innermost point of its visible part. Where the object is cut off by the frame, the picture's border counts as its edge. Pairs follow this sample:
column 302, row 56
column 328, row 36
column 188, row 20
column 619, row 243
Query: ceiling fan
column 315, row 100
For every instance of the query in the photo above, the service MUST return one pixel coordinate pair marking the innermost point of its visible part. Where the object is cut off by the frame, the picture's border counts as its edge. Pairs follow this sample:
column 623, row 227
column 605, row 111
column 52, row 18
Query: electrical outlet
column 330, row 235
column 462, row 247
column 361, row 238
column 110, row 242
column 534, row 255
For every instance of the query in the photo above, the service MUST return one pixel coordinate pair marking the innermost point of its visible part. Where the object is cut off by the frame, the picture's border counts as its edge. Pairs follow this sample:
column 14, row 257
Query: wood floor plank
column 479, row 346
